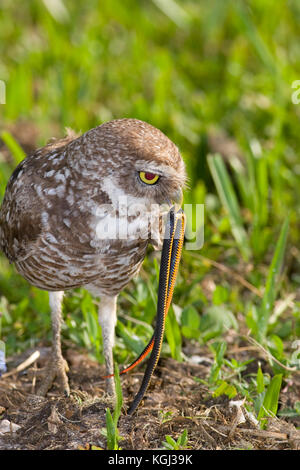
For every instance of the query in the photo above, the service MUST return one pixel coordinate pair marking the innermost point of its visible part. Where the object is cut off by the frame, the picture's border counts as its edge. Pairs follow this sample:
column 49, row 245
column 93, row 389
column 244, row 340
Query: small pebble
column 7, row 426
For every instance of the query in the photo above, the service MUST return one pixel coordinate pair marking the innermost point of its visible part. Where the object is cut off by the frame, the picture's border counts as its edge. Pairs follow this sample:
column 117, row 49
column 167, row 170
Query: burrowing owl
column 76, row 213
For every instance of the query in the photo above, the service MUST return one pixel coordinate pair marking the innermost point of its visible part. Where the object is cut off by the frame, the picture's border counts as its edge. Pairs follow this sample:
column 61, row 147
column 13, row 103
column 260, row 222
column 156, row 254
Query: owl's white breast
column 126, row 218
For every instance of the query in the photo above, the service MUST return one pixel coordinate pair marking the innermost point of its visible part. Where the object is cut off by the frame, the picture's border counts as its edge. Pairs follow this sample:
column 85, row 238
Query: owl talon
column 57, row 368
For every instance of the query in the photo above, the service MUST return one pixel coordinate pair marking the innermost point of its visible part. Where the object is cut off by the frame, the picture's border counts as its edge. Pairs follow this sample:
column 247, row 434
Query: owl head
column 131, row 157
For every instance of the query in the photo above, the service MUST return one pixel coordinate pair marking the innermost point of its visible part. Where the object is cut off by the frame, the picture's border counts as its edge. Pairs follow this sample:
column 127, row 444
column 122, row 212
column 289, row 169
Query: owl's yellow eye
column 147, row 177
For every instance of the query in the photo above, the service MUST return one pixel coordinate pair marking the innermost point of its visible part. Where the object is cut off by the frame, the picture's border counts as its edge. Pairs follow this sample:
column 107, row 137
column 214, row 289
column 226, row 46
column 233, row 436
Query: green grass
column 181, row 443
column 111, row 431
column 194, row 69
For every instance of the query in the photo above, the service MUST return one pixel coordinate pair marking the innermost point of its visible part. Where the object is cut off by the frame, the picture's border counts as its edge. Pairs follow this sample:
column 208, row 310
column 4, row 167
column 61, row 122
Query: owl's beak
column 177, row 199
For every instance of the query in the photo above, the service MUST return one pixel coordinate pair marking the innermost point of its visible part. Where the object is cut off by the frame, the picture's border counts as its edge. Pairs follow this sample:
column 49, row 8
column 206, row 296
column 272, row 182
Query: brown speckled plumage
column 52, row 218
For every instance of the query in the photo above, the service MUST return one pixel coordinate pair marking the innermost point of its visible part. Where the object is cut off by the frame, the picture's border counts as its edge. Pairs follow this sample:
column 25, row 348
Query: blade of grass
column 229, row 200
column 119, row 397
column 260, row 386
column 270, row 403
column 242, row 179
column 130, row 340
column 173, row 335
column 5, row 173
column 183, row 438
column 16, row 150
column 111, row 431
column 174, row 12
column 272, row 283
column 255, row 38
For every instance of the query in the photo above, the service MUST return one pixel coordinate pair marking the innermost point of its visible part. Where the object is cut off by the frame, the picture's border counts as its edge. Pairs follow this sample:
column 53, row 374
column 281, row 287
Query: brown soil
column 58, row 422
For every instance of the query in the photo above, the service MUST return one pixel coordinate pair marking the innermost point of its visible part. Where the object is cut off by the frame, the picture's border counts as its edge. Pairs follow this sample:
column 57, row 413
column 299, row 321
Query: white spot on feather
column 67, row 222
column 48, row 174
column 60, row 177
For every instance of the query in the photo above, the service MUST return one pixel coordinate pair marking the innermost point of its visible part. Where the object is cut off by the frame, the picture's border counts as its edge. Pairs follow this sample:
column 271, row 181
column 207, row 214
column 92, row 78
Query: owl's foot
column 56, row 368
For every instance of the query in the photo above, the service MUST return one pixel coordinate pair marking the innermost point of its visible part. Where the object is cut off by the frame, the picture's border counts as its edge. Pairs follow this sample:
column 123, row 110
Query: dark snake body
column 169, row 264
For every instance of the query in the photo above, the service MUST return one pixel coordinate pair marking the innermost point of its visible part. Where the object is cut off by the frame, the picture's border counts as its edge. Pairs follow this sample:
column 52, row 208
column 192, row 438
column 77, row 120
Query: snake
column 169, row 265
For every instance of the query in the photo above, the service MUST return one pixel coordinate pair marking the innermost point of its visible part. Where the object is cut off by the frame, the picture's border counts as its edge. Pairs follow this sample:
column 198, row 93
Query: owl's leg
column 57, row 367
column 107, row 320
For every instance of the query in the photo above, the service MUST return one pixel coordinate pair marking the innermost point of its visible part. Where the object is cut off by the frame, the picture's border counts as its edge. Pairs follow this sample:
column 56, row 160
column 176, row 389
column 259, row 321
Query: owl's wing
column 20, row 219
column 21, row 213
